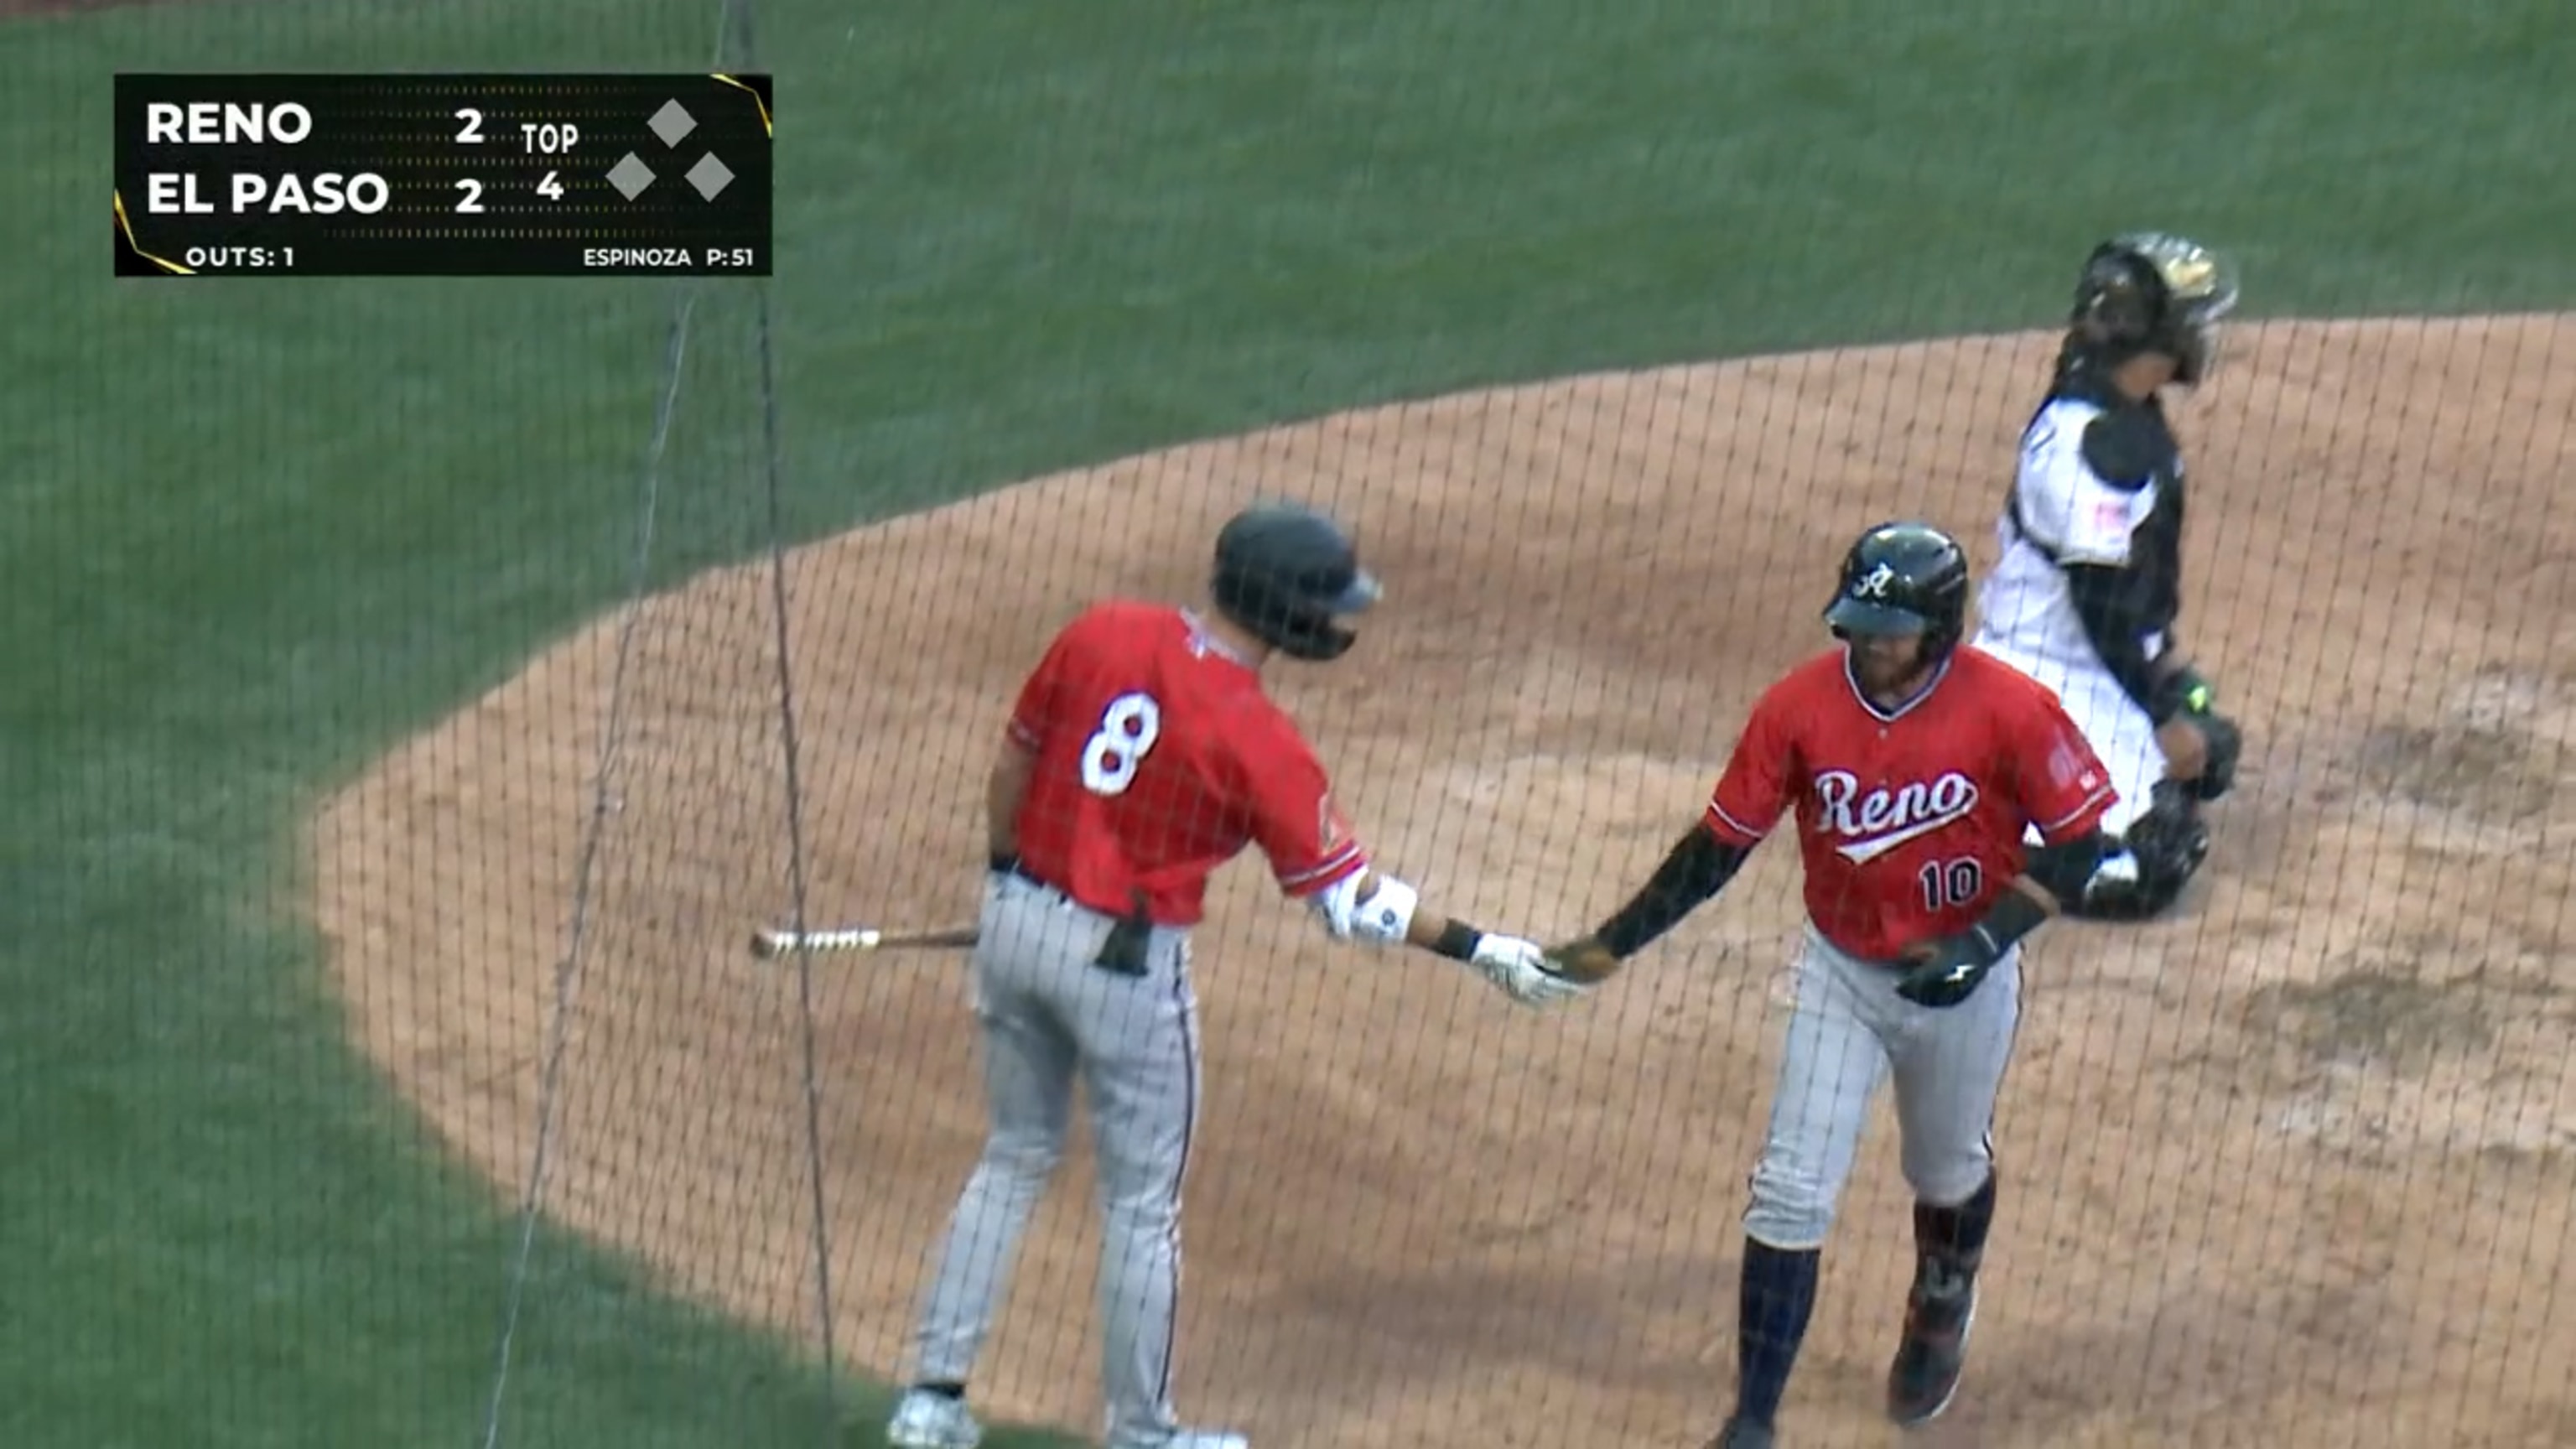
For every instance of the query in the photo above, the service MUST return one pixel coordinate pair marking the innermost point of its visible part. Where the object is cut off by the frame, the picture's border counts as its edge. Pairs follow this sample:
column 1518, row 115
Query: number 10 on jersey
column 1128, row 729
column 1948, row 884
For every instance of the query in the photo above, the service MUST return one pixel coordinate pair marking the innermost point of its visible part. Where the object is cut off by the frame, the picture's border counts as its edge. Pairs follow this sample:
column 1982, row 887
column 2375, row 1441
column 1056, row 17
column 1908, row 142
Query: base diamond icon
column 671, row 123
column 710, row 176
column 630, row 176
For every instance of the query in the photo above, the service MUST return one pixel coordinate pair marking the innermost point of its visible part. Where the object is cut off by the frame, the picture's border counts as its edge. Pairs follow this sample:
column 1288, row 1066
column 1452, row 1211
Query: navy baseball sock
column 1777, row 1296
column 1956, row 1235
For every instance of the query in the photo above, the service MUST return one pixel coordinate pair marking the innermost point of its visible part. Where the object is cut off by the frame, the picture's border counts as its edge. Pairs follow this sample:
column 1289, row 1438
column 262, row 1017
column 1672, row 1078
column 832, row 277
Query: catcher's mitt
column 2169, row 840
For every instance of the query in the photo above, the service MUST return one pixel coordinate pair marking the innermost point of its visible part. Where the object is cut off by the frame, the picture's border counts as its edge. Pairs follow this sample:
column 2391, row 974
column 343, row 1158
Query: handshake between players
column 1141, row 753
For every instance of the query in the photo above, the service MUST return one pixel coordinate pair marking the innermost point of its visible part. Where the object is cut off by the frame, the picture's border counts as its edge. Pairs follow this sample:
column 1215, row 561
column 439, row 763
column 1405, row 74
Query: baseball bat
column 777, row 941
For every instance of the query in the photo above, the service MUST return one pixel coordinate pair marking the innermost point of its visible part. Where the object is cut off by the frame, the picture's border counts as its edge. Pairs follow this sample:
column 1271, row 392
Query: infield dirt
column 2294, row 1168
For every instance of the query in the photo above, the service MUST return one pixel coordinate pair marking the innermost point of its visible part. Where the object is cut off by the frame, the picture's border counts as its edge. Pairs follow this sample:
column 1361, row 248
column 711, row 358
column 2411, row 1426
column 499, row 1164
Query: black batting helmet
column 1903, row 578
column 1283, row 571
column 2153, row 292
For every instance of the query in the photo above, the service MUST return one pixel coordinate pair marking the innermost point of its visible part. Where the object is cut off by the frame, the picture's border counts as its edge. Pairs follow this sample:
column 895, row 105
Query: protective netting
column 425, row 687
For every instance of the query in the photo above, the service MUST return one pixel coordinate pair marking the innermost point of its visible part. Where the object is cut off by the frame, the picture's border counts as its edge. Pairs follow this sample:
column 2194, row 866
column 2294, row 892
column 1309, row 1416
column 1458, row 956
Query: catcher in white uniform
column 2086, row 596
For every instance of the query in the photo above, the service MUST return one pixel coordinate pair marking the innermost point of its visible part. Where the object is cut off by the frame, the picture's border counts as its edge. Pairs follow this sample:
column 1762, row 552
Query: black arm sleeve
column 1699, row 867
column 2112, row 603
column 2118, row 605
column 2063, row 870
column 2013, row 916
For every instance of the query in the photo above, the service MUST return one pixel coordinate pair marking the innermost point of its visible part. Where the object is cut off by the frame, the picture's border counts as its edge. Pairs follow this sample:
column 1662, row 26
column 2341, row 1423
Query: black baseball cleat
column 1939, row 1311
column 1742, row 1434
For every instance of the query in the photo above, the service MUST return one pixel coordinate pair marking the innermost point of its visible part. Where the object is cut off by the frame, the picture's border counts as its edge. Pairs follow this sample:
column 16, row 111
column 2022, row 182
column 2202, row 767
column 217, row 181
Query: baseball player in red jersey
column 1914, row 767
column 1141, row 755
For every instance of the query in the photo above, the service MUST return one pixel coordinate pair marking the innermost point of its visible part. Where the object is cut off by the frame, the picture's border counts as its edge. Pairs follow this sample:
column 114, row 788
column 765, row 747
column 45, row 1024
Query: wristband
column 1458, row 941
column 2185, row 692
column 2012, row 917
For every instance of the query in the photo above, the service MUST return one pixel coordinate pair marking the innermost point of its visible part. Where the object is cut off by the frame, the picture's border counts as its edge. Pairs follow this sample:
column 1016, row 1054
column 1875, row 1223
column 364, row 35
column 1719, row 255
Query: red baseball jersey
column 1909, row 821
column 1159, row 759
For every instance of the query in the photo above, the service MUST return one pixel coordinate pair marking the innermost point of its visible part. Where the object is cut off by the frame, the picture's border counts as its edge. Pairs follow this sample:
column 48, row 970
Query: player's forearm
column 1369, row 905
column 2048, row 901
column 1005, row 786
column 2058, row 872
column 2016, row 912
column 2180, row 690
column 1443, row 935
column 1423, row 928
column 1697, row 868
column 1944, row 970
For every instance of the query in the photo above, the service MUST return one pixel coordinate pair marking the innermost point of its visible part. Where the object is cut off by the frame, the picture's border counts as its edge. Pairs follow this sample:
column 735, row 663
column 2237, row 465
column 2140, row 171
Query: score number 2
column 471, row 202
column 471, row 134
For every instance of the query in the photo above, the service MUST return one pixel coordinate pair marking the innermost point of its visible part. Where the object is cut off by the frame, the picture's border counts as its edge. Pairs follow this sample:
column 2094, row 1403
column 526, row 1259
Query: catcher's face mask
column 2200, row 290
column 2155, row 291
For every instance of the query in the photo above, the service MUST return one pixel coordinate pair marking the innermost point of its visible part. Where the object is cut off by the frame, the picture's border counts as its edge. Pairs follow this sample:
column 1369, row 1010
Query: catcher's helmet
column 2153, row 292
column 1284, row 571
column 1903, row 578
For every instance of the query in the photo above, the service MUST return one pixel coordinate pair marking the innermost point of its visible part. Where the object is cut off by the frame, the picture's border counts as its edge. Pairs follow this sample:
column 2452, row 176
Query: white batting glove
column 1518, row 969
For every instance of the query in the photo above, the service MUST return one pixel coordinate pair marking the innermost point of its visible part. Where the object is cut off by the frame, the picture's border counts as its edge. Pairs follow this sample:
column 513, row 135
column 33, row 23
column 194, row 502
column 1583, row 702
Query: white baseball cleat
column 1195, row 1439
column 924, row 1420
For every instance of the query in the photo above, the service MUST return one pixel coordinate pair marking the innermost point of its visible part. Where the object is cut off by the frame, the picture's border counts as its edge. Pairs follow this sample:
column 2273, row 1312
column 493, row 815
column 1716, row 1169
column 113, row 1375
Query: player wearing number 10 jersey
column 1915, row 769
column 1141, row 755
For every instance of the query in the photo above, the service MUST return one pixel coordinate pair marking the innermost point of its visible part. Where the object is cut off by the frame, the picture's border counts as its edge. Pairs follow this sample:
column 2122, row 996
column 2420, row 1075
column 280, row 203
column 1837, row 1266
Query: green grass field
column 257, row 530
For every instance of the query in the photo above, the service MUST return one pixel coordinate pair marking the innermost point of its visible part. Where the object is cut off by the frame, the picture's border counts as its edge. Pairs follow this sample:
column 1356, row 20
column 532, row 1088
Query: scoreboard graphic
column 443, row 175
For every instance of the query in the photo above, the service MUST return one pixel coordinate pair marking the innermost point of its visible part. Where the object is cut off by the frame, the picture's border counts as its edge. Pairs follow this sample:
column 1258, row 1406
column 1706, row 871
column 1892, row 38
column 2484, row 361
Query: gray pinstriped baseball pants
column 1848, row 1032
column 1047, row 1017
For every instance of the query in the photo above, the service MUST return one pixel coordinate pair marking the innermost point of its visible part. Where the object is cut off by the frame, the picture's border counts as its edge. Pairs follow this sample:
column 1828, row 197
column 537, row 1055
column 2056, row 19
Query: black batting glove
column 1948, row 969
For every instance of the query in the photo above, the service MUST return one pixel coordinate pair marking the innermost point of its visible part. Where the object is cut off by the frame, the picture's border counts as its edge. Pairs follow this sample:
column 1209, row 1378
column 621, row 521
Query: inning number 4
column 1949, row 883
column 1128, row 729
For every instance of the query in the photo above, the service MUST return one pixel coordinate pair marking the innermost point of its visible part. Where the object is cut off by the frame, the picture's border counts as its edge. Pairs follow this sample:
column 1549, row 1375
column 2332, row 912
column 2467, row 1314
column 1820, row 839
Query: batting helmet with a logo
column 1903, row 578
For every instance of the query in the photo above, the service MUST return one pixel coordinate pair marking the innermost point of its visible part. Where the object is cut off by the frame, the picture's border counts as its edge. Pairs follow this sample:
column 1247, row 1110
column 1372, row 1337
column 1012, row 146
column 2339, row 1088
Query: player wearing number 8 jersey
column 1141, row 755
column 1914, row 768
column 1132, row 682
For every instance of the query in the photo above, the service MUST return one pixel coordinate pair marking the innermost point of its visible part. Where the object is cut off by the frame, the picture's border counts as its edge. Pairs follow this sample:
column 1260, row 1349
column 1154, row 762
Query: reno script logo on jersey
column 1875, row 823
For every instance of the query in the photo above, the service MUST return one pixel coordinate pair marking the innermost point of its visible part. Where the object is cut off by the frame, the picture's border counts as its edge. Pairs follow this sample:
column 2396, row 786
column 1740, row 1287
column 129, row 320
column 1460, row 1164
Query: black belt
column 1122, row 952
